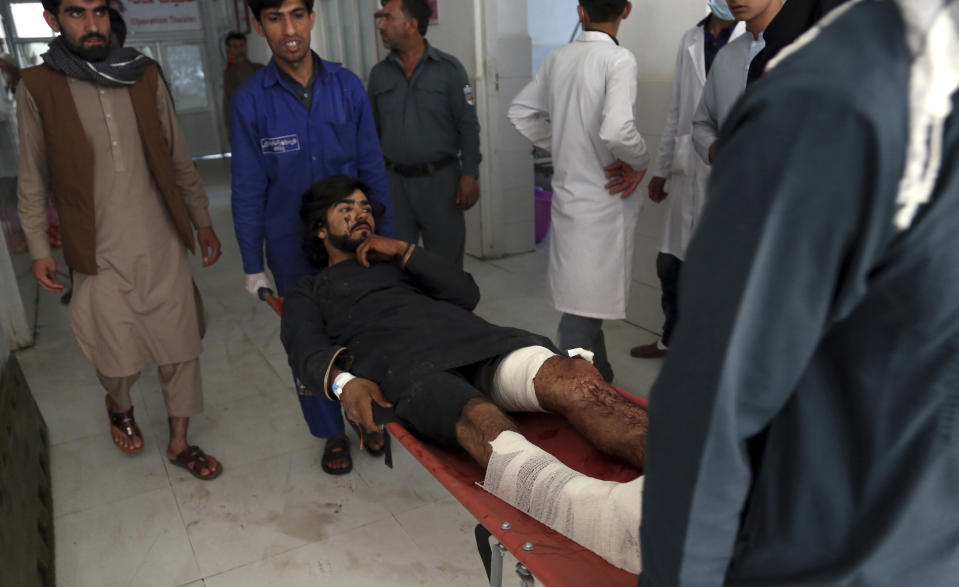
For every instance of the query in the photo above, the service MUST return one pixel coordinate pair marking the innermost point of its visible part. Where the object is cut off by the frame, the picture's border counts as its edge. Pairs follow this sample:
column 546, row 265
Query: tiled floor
column 273, row 518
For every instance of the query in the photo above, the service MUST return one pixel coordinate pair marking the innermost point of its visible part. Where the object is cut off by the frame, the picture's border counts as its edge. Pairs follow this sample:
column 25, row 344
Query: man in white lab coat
column 726, row 81
column 588, row 89
column 677, row 163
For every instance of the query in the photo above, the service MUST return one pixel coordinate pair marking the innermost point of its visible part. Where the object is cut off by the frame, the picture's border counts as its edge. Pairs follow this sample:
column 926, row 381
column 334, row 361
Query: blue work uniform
column 282, row 144
column 280, row 149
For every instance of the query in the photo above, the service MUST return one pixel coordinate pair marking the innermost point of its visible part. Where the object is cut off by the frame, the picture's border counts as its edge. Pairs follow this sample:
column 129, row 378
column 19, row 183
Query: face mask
column 721, row 10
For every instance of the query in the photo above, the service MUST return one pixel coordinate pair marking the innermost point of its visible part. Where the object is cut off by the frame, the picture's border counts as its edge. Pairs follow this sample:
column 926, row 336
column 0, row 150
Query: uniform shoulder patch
column 469, row 95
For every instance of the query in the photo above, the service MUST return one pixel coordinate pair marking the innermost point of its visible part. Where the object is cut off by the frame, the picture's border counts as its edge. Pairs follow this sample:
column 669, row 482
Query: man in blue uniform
column 296, row 121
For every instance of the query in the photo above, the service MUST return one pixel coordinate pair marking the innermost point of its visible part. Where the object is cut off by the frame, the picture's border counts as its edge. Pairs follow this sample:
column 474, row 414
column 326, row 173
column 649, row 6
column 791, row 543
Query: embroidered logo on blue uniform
column 468, row 93
column 278, row 145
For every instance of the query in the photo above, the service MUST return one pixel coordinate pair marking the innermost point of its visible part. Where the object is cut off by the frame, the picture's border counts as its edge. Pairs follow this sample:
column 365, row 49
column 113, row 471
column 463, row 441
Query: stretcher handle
column 266, row 294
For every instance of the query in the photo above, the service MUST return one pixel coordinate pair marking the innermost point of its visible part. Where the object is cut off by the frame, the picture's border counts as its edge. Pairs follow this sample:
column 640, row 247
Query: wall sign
column 161, row 16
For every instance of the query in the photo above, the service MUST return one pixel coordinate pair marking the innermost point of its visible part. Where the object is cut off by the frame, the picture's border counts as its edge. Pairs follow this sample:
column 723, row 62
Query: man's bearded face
column 350, row 222
column 92, row 47
column 85, row 26
column 346, row 243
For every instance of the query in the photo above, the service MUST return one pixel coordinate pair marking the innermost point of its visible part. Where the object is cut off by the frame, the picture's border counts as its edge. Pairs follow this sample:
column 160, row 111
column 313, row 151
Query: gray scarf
column 122, row 67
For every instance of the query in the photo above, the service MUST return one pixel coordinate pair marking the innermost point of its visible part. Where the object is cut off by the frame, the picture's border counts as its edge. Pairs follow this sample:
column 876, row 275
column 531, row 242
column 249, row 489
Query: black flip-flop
column 337, row 447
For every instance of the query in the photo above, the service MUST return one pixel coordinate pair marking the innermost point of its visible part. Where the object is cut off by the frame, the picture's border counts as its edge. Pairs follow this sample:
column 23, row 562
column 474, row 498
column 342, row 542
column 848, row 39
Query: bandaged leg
column 513, row 381
column 601, row 516
column 513, row 389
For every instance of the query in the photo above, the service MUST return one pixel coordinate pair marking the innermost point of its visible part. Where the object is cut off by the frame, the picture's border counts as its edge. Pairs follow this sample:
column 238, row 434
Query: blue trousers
column 322, row 415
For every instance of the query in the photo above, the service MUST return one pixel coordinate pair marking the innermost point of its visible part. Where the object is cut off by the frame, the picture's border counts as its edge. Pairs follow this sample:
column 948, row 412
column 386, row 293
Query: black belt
column 421, row 169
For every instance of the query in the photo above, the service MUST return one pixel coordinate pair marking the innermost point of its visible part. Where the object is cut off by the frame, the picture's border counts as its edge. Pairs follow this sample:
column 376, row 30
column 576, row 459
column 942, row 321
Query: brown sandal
column 124, row 422
column 194, row 455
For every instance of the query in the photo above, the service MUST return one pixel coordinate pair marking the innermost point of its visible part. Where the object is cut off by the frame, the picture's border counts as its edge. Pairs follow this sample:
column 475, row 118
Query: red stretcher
column 543, row 554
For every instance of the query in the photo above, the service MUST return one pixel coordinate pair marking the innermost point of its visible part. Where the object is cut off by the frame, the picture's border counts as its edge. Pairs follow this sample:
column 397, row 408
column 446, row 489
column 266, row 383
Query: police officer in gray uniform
column 425, row 112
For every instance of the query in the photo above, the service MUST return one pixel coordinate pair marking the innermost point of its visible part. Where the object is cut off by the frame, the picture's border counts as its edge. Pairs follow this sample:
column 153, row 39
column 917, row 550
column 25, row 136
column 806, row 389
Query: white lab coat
column 589, row 89
column 678, row 162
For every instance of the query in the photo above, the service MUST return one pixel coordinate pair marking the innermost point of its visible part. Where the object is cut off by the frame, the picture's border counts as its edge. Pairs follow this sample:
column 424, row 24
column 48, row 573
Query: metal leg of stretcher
column 496, row 569
column 482, row 545
column 525, row 577
column 492, row 556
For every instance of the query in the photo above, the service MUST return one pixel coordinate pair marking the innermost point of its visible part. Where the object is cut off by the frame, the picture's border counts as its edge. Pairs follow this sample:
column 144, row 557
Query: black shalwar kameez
column 410, row 330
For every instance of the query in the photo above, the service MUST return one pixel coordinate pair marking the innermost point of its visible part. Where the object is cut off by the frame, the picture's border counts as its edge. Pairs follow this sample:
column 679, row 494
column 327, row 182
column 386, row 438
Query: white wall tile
column 508, row 89
column 513, row 56
column 517, row 206
column 551, row 21
column 515, row 171
column 474, row 227
column 652, row 105
column 653, row 30
column 454, row 32
column 510, row 17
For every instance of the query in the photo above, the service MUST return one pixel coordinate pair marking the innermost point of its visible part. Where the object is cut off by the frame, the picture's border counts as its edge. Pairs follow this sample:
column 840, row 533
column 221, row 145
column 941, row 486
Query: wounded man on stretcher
column 387, row 322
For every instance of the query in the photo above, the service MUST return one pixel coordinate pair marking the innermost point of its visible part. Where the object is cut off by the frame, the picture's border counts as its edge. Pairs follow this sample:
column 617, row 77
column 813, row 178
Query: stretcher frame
column 542, row 553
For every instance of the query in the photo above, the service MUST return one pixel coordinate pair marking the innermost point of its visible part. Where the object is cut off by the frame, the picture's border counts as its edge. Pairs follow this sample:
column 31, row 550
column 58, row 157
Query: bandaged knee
column 513, row 389
column 602, row 516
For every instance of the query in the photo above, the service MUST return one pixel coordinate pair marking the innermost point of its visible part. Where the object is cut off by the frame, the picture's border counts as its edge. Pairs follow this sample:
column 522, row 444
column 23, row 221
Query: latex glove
column 255, row 281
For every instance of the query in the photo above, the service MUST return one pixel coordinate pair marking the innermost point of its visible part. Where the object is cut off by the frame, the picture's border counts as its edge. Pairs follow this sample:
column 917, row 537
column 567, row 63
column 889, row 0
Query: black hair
column 234, row 36
column 603, row 10
column 258, row 6
column 417, row 9
column 315, row 205
column 53, row 6
column 118, row 26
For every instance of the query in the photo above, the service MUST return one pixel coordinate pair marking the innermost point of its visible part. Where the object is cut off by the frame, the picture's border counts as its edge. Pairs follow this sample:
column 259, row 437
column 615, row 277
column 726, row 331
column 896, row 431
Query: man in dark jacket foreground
column 387, row 322
column 816, row 441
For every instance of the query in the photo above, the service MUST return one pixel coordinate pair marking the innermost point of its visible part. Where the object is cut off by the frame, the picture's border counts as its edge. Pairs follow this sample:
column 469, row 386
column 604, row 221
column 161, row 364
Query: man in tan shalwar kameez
column 98, row 131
